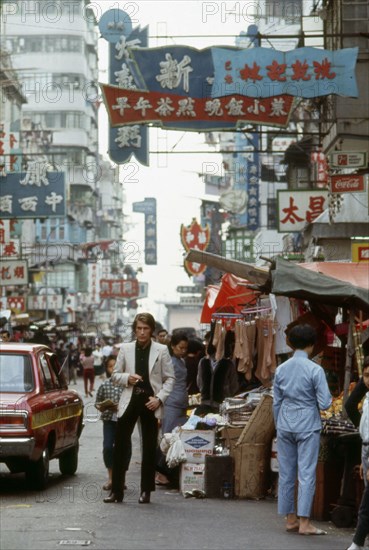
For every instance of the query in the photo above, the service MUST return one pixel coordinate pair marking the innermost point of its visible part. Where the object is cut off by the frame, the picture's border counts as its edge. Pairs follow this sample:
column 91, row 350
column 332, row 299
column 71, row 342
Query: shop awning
column 231, row 296
column 335, row 283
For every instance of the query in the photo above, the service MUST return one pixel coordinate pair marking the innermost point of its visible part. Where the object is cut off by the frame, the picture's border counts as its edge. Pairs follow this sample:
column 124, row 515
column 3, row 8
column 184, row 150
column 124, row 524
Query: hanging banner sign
column 148, row 207
column 297, row 208
column 119, row 288
column 127, row 107
column 32, row 194
column 303, row 72
column 349, row 159
column 347, row 183
column 197, row 237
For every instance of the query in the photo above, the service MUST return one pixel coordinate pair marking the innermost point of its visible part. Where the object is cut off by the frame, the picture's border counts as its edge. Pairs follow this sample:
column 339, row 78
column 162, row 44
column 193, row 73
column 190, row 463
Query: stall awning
column 231, row 296
column 335, row 283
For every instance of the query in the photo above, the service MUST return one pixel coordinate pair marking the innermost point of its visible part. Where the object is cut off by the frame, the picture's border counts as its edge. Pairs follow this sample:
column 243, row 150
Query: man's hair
column 302, row 336
column 366, row 362
column 146, row 318
column 162, row 330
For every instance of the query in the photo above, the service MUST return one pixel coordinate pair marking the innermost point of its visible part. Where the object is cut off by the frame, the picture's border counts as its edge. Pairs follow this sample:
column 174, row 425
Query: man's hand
column 153, row 403
column 134, row 378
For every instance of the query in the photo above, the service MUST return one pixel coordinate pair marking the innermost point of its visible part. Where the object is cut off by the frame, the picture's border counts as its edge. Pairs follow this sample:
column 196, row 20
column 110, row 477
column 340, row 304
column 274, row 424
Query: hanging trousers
column 149, row 429
column 297, row 459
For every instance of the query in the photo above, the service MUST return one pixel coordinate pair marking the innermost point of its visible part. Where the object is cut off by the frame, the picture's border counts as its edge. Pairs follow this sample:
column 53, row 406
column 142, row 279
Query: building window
column 272, row 221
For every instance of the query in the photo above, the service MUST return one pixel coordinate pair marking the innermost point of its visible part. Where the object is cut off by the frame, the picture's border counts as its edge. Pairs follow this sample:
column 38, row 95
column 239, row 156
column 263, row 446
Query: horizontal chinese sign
column 135, row 106
column 16, row 304
column 297, row 208
column 303, row 72
column 32, row 194
column 13, row 272
column 43, row 301
column 119, row 288
column 349, row 159
column 347, row 183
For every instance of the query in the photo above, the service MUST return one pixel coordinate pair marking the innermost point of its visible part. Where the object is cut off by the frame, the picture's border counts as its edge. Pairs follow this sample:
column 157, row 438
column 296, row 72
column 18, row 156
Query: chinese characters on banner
column 148, row 207
column 41, row 301
column 13, row 272
column 168, row 109
column 32, row 194
column 297, row 208
column 197, row 237
column 319, row 168
column 119, row 288
column 10, row 151
column 303, row 72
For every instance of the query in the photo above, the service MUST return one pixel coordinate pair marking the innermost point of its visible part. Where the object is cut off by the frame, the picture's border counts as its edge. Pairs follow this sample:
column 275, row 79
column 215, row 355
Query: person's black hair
column 109, row 358
column 88, row 352
column 302, row 336
column 366, row 362
column 178, row 337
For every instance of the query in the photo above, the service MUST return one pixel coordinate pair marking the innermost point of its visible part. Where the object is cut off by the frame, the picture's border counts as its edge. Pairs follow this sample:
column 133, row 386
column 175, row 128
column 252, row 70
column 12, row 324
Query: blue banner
column 303, row 72
column 32, row 194
column 148, row 207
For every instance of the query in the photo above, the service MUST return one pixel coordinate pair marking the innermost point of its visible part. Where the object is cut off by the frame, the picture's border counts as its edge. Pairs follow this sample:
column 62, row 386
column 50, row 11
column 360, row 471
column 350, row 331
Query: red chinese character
column 316, row 205
column 19, row 272
column 228, row 79
column 322, row 69
column 276, row 70
column 299, row 71
column 9, row 249
column 228, row 65
column 2, row 152
column 291, row 216
column 5, row 273
column 12, row 140
column 250, row 73
column 2, row 235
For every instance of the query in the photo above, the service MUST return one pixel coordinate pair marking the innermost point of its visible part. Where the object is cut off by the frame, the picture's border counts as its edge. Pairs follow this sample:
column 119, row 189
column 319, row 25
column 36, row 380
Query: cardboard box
column 197, row 444
column 192, row 477
column 251, row 469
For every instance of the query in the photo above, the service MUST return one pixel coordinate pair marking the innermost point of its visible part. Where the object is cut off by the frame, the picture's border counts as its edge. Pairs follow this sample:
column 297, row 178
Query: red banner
column 347, row 183
column 198, row 237
column 119, row 288
column 136, row 107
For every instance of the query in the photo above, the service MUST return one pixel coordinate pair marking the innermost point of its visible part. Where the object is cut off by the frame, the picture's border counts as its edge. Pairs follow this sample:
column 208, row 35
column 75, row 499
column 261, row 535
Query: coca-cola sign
column 348, row 183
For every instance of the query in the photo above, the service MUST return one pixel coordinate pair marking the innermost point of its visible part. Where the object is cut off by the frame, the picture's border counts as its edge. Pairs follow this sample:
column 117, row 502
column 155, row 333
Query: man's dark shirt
column 142, row 367
column 353, row 401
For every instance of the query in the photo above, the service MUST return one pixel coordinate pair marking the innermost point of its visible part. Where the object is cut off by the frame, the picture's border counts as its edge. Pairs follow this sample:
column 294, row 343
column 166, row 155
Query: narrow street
column 71, row 513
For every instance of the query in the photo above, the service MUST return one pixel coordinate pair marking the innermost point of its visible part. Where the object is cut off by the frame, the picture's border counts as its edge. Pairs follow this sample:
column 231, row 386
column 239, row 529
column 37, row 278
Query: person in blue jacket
column 300, row 392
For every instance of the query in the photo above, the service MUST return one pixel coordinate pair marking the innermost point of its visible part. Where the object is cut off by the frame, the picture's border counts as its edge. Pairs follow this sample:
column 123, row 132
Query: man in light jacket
column 144, row 369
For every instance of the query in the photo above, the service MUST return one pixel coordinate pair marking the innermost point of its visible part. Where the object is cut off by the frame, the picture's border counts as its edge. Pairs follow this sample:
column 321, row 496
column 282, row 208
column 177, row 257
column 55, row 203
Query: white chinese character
column 6, row 203
column 253, row 191
column 123, row 45
column 202, row 237
column 34, row 175
column 127, row 135
column 172, row 72
column 277, row 106
column 28, row 203
column 124, row 78
column 253, row 202
column 254, row 180
column 164, row 106
column 53, row 199
column 185, row 107
column 141, row 105
column 257, row 108
column 189, row 237
column 253, row 169
column 122, row 103
column 234, row 107
column 150, row 219
column 214, row 107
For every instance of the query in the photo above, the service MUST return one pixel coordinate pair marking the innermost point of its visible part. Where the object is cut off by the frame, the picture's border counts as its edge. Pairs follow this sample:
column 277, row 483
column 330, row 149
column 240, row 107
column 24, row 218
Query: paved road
column 71, row 513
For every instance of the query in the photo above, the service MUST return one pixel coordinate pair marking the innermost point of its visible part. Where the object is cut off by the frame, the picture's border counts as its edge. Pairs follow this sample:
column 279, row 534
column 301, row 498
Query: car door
column 58, row 401
column 72, row 407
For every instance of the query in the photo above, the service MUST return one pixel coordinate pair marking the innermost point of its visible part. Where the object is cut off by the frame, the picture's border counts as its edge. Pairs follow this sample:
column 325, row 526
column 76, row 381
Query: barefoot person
column 300, row 391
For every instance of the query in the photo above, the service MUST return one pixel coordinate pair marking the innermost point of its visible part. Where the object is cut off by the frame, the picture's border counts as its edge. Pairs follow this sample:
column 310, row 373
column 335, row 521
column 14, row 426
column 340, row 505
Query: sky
column 173, row 178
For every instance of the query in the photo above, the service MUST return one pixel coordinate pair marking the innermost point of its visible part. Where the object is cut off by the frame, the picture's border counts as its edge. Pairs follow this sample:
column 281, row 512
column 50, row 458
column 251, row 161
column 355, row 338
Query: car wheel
column 37, row 473
column 68, row 462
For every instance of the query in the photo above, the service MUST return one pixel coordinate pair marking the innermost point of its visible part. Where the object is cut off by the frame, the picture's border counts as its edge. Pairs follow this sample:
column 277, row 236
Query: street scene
column 184, row 274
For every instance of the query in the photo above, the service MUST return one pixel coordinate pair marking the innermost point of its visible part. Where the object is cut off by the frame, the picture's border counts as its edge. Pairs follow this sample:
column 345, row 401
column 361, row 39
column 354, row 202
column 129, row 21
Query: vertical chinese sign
column 148, row 207
column 116, row 27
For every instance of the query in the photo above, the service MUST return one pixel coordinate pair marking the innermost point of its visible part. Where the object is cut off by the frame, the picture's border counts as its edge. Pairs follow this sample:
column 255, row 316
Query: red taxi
column 40, row 418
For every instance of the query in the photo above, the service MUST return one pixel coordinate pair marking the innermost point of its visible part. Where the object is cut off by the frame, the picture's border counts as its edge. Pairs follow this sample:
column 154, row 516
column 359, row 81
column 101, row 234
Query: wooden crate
column 251, row 470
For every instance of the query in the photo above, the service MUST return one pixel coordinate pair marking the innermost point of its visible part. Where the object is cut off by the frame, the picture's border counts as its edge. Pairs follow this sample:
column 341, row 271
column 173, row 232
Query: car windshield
column 15, row 373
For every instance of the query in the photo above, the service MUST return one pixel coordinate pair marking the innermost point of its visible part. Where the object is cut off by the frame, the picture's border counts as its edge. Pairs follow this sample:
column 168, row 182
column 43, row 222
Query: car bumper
column 16, row 446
